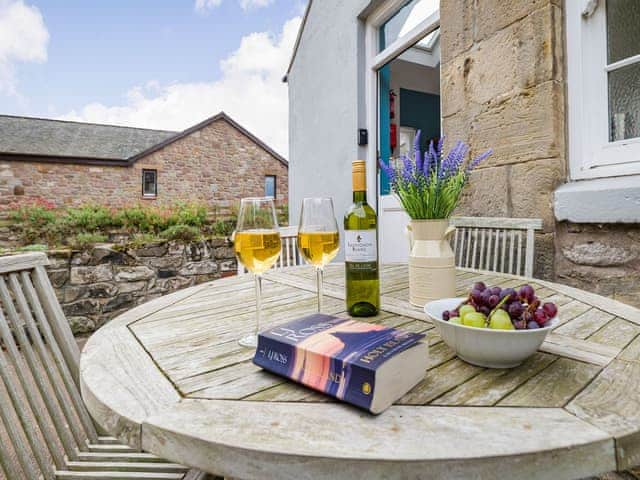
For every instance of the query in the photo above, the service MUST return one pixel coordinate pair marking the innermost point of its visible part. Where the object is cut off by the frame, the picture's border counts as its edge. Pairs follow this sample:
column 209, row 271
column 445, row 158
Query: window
column 603, row 69
column 149, row 183
column 270, row 186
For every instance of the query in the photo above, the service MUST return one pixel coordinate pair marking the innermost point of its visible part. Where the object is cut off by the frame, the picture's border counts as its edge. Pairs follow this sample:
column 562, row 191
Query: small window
column 270, row 186
column 149, row 183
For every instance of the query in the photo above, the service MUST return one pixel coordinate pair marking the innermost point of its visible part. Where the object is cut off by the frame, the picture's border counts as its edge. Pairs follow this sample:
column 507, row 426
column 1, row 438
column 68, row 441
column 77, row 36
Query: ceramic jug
column 432, row 269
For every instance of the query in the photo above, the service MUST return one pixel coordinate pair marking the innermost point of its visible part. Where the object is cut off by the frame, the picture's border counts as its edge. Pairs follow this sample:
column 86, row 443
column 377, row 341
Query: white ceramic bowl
column 483, row 346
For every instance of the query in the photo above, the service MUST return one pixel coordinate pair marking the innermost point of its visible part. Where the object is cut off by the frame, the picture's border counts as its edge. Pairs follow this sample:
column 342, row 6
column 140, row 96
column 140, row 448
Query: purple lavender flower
column 416, row 151
column 454, row 160
column 388, row 169
column 408, row 170
column 476, row 161
column 427, row 164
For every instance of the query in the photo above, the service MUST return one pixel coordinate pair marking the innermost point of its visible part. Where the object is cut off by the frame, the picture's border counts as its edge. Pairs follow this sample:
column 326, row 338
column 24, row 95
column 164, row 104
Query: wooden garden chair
column 504, row 245
column 289, row 255
column 45, row 429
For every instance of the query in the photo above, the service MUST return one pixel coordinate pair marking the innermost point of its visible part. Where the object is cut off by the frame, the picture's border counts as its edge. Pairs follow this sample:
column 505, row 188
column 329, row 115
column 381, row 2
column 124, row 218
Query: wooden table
column 170, row 378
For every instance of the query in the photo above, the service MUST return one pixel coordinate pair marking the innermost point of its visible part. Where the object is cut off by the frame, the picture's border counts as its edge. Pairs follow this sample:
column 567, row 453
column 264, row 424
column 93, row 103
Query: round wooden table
column 169, row 377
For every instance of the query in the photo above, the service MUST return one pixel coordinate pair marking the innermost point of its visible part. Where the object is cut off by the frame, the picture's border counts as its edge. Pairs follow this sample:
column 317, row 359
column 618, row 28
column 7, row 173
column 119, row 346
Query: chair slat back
column 495, row 244
column 43, row 420
column 289, row 255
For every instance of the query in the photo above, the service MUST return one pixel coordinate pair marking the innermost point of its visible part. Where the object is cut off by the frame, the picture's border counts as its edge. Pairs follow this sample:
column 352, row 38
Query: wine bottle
column 362, row 280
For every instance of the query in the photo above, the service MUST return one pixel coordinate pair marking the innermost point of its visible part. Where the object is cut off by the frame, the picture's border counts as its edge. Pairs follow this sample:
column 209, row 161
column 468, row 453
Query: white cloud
column 203, row 6
column 252, row 4
column 23, row 38
column 250, row 90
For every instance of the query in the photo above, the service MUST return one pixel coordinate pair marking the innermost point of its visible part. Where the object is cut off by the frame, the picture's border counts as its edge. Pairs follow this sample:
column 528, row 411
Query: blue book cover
column 332, row 355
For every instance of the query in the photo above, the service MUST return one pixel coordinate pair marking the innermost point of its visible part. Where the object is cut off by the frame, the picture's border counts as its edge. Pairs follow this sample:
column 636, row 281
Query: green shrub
column 143, row 219
column 186, row 233
column 91, row 218
column 84, row 240
column 37, row 247
column 193, row 214
column 223, row 228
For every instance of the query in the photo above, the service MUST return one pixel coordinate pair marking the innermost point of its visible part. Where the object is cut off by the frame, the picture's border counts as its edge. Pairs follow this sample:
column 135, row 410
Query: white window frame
column 155, row 178
column 591, row 153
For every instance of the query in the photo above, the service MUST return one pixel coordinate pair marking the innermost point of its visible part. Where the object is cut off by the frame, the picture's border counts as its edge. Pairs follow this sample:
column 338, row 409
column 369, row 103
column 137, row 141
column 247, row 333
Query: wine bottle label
column 360, row 246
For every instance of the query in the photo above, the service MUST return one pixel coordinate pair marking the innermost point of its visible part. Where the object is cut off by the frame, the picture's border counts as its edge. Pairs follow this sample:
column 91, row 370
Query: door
column 406, row 71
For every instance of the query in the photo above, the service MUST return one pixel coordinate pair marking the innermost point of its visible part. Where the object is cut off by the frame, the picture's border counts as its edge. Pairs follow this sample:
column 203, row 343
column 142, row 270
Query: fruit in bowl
column 502, row 309
column 493, row 327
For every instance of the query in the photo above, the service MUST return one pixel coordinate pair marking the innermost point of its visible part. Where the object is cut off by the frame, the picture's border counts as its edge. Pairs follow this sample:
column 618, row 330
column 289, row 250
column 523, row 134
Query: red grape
column 485, row 310
column 484, row 298
column 526, row 293
column 515, row 310
column 446, row 315
column 476, row 295
column 540, row 317
column 479, row 286
column 550, row 309
column 509, row 292
column 532, row 325
column 454, row 313
column 493, row 301
column 520, row 324
column 495, row 291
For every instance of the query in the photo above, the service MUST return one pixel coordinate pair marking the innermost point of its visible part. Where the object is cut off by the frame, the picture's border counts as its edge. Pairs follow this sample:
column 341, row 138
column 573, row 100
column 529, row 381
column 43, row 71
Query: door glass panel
column 406, row 19
column 624, row 103
column 623, row 29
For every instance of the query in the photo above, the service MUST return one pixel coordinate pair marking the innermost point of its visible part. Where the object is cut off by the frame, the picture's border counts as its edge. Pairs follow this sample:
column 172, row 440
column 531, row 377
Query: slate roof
column 61, row 141
column 57, row 138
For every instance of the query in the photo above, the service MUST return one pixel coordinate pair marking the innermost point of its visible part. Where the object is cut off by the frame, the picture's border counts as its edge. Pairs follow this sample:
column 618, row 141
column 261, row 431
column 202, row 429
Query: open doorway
column 408, row 101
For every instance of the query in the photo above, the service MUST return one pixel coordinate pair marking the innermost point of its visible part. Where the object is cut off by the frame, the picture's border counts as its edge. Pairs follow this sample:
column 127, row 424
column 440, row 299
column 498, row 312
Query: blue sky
column 133, row 62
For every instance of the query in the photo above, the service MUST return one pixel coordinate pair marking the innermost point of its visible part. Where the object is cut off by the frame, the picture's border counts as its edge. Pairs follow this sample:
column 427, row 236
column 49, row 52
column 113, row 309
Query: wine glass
column 318, row 239
column 257, row 245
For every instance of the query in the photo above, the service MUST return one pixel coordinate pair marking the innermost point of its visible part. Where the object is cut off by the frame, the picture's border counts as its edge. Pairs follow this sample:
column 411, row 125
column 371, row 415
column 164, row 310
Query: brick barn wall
column 217, row 165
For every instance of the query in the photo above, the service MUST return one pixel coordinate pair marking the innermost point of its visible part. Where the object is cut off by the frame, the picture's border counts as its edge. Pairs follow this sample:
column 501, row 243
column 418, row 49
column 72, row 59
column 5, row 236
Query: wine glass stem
column 258, row 279
column 320, row 282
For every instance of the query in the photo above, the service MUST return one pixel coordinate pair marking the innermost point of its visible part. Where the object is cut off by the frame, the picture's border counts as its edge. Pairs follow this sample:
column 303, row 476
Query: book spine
column 275, row 356
column 345, row 381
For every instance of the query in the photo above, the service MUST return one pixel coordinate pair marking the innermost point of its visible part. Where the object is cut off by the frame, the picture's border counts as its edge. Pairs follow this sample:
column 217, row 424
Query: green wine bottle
column 362, row 279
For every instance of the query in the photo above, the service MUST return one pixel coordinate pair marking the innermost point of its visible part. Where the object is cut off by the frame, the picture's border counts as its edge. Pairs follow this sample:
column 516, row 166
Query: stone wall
column 604, row 259
column 503, row 87
column 215, row 165
column 96, row 285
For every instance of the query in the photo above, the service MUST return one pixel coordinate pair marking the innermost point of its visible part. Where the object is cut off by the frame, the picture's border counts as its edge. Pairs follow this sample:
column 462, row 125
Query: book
column 365, row 364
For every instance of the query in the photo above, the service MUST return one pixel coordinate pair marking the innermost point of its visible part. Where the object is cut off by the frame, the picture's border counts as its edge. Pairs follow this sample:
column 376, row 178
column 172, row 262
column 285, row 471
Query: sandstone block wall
column 503, row 86
column 215, row 165
column 96, row 285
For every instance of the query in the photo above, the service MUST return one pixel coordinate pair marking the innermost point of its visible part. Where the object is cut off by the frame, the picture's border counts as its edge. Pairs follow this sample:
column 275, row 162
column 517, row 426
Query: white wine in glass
column 257, row 245
column 318, row 238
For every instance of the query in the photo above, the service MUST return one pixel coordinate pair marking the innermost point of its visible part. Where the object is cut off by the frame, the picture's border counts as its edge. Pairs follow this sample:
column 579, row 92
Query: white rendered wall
column 326, row 106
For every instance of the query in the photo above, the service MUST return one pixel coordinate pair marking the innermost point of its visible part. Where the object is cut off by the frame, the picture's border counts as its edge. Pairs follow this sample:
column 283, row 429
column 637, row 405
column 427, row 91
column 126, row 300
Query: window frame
column 591, row 153
column 155, row 177
column 275, row 186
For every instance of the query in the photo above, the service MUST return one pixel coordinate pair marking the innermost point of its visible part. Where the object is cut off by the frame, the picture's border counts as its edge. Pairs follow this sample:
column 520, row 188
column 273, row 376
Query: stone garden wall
column 96, row 285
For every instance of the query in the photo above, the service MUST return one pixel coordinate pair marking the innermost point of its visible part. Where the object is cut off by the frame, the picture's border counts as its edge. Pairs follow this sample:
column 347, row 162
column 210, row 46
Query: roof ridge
column 24, row 117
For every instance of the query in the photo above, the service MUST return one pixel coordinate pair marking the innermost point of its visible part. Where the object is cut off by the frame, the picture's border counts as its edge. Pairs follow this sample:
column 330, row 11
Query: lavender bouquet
column 430, row 186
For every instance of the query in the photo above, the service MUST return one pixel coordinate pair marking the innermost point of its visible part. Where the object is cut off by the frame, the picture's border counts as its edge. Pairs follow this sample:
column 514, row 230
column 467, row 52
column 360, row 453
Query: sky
column 164, row 64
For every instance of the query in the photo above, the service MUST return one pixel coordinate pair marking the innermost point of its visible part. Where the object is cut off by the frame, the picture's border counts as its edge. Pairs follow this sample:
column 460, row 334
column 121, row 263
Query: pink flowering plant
column 429, row 186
